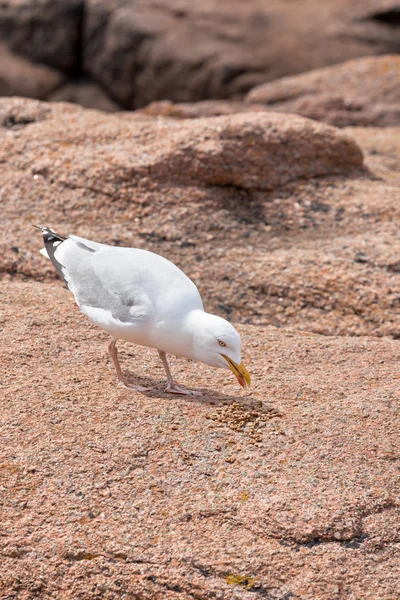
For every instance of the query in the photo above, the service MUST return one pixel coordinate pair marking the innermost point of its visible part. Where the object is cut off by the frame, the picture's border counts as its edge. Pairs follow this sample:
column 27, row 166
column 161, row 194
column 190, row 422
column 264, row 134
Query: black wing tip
column 44, row 229
column 51, row 241
column 49, row 234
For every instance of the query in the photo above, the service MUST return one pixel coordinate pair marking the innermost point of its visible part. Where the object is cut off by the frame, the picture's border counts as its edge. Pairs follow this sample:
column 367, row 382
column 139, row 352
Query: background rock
column 144, row 51
column 139, row 51
column 45, row 31
column 365, row 91
column 84, row 92
column 21, row 77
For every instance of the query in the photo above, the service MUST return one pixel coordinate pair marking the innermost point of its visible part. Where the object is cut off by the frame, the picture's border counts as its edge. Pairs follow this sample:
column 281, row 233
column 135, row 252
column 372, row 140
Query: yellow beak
column 239, row 371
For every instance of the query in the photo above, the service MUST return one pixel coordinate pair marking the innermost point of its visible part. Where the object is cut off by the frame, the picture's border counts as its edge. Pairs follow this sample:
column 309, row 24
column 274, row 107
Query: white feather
column 141, row 297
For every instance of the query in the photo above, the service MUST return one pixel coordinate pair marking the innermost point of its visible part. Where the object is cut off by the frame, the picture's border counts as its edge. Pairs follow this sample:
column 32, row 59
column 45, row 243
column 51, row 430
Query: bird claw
column 137, row 388
column 174, row 388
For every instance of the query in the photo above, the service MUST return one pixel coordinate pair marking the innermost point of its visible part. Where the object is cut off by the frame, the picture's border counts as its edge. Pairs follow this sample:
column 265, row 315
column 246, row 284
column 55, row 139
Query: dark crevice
column 229, row 73
column 204, row 571
column 84, row 555
column 192, row 593
column 80, row 555
column 246, row 583
column 261, row 592
column 78, row 72
column 390, row 17
column 14, row 121
column 353, row 543
column 74, row 186
column 394, row 267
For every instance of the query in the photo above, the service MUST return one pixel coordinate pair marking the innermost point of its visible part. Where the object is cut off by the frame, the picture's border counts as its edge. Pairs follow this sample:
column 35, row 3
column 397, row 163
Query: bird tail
column 51, row 242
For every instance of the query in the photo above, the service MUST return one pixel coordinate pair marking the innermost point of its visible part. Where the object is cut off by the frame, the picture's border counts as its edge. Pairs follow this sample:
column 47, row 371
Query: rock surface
column 297, row 255
column 249, row 151
column 289, row 490
column 365, row 91
column 139, row 51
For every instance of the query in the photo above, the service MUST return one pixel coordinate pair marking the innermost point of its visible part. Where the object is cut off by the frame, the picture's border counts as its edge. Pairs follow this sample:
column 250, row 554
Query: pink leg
column 112, row 348
column 172, row 386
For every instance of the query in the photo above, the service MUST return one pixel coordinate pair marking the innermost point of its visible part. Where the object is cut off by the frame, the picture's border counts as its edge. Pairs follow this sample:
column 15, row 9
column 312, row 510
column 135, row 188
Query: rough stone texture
column 21, row 77
column 365, row 91
column 305, row 258
column 290, row 490
column 144, row 50
column 299, row 255
column 250, row 151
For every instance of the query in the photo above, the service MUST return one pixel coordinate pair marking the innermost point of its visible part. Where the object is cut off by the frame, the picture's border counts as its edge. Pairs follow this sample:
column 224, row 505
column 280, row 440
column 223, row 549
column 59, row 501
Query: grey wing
column 86, row 277
column 149, row 284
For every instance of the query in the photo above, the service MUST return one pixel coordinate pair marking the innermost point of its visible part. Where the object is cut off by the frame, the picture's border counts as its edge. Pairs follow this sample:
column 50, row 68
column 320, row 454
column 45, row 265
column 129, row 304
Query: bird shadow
column 245, row 399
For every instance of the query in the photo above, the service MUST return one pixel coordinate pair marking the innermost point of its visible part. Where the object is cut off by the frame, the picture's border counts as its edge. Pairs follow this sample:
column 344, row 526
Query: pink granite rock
column 365, row 91
column 288, row 490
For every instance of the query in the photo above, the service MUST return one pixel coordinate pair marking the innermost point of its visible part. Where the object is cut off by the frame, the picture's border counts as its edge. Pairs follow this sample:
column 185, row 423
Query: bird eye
column 221, row 343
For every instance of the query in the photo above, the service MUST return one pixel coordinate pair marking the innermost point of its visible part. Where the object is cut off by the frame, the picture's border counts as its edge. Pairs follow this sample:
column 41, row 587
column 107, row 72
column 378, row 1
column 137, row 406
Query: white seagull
column 141, row 297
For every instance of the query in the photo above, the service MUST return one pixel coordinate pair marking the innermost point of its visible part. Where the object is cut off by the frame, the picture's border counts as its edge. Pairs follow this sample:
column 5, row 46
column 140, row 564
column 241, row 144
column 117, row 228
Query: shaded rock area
column 365, row 91
column 21, row 77
column 84, row 92
column 139, row 51
column 46, row 31
column 290, row 228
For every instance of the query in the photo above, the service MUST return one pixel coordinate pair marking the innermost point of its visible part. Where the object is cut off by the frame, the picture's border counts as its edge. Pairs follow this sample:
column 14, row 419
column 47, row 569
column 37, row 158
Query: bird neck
column 178, row 337
column 195, row 324
column 195, row 321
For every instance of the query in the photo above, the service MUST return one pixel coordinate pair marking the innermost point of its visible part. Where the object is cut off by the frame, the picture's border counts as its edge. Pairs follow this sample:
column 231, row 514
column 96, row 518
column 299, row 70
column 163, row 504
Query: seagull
column 143, row 298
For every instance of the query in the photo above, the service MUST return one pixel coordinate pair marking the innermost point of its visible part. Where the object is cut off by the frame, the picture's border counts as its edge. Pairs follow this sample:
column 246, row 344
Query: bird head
column 217, row 343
